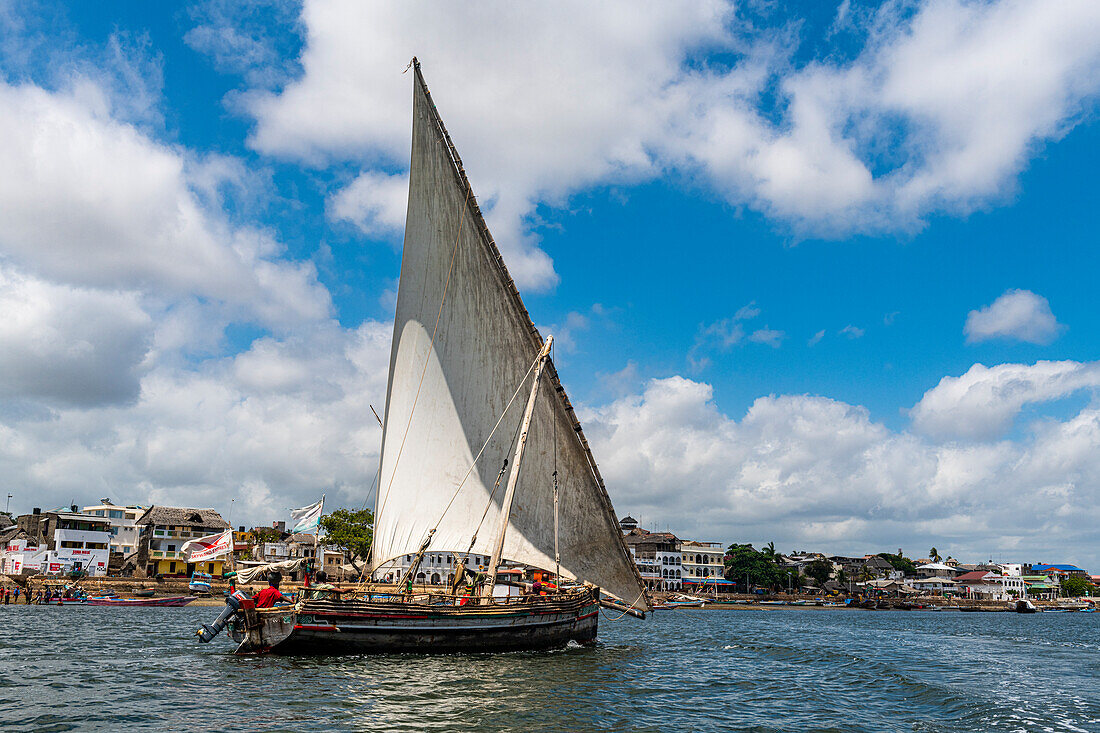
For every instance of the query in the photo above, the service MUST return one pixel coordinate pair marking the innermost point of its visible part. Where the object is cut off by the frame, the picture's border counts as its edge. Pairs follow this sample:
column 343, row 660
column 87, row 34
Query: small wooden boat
column 167, row 601
column 144, row 592
column 200, row 584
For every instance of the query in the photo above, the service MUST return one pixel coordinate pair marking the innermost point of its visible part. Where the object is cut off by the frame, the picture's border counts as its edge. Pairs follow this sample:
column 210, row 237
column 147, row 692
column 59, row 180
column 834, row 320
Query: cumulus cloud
column 373, row 202
column 983, row 402
column 960, row 94
column 73, row 345
column 91, row 201
column 808, row 471
column 1017, row 314
column 272, row 426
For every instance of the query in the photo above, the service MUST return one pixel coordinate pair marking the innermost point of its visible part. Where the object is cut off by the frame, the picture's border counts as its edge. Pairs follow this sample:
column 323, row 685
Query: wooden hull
column 395, row 625
column 170, row 601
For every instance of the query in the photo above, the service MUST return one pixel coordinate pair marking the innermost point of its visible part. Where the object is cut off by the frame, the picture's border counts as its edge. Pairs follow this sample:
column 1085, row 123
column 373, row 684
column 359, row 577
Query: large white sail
column 445, row 397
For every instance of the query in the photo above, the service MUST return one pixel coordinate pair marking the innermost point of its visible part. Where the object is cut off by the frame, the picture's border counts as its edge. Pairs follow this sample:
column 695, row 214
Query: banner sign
column 209, row 547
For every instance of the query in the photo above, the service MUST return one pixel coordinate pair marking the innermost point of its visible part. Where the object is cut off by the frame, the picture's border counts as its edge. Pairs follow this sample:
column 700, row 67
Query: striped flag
column 308, row 518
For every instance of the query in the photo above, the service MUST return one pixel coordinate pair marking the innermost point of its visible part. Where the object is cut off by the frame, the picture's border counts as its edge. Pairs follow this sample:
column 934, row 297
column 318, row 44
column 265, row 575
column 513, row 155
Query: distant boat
column 1023, row 605
column 144, row 592
column 168, row 601
column 200, row 584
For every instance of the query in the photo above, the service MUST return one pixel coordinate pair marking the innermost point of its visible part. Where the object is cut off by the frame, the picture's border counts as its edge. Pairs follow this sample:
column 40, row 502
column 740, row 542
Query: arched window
column 435, row 578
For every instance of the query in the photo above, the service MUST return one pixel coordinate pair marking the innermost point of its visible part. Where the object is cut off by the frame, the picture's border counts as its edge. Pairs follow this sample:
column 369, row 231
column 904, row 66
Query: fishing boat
column 481, row 453
column 200, row 583
column 166, row 601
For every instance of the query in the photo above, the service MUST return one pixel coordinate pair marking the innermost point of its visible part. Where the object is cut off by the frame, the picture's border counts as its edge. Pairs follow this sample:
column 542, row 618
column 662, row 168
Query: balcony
column 166, row 555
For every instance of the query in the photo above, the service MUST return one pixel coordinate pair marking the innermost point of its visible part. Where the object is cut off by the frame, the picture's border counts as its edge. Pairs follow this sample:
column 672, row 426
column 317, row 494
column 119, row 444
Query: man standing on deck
column 270, row 595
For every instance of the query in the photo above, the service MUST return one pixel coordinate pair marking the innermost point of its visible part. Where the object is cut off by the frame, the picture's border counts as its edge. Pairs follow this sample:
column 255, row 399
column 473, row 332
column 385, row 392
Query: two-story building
column 702, row 560
column 165, row 529
column 73, row 542
column 436, row 568
column 19, row 553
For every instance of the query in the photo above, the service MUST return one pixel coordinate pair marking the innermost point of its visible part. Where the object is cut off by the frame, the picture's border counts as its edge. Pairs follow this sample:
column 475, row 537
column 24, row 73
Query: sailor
column 322, row 588
column 271, row 595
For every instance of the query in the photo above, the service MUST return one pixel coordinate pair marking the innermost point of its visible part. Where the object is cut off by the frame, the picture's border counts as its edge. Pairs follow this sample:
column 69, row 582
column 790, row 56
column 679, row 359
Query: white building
column 436, row 568
column 702, row 560
column 19, row 554
column 933, row 586
column 658, row 557
column 124, row 528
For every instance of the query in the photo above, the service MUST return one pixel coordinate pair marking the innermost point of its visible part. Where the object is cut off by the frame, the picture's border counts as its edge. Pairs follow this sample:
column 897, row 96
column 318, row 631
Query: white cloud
column 852, row 332
column 72, row 345
column 272, row 426
column 769, row 336
column 1017, row 314
column 373, row 202
column 816, row 338
column 89, row 201
column 812, row 472
column 982, row 403
column 550, row 100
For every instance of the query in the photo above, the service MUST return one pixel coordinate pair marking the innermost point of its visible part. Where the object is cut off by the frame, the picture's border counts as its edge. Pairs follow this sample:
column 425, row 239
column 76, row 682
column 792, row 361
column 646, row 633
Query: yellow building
column 164, row 530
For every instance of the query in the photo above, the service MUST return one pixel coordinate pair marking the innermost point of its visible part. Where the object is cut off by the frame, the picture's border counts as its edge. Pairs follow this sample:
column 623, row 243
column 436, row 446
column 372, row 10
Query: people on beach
column 271, row 595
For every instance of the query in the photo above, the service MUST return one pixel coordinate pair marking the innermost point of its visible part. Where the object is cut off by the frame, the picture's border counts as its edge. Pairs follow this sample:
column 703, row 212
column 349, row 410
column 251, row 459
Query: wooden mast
column 513, row 477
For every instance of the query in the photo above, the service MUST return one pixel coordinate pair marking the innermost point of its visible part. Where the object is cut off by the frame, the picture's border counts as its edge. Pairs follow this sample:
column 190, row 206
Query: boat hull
column 170, row 601
column 395, row 626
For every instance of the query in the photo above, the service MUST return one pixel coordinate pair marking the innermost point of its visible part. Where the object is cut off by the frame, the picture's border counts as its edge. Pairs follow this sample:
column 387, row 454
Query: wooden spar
column 557, row 555
column 513, row 477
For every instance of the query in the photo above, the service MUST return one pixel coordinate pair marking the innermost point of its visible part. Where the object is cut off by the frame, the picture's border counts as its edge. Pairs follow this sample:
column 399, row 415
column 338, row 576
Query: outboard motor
column 233, row 605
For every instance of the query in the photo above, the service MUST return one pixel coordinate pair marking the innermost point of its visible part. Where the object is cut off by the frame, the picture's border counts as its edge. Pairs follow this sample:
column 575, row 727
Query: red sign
column 54, row 567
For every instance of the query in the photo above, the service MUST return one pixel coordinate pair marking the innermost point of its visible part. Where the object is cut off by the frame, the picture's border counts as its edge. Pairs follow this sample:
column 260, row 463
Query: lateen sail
column 444, row 398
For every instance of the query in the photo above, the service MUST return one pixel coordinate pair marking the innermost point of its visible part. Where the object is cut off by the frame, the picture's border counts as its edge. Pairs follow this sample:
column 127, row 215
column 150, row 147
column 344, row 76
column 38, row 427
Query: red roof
column 972, row 576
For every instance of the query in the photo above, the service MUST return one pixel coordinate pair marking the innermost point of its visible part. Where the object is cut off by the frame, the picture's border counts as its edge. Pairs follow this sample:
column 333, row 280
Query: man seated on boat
column 271, row 595
column 321, row 588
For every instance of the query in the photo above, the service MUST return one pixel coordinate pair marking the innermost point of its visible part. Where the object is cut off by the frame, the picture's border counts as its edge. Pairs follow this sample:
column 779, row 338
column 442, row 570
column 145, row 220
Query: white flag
column 308, row 518
column 209, row 547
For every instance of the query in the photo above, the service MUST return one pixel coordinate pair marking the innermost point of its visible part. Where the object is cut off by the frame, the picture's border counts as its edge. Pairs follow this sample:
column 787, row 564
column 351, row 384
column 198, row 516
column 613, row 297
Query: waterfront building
column 988, row 585
column 701, row 560
column 436, row 568
column 164, row 529
column 936, row 570
column 73, row 542
column 124, row 527
column 19, row 553
column 332, row 560
column 658, row 557
column 933, row 585
column 1041, row 586
column 1060, row 571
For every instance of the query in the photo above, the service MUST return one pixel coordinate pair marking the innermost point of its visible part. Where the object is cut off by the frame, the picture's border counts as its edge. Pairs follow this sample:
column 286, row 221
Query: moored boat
column 200, row 583
column 166, row 601
column 1023, row 605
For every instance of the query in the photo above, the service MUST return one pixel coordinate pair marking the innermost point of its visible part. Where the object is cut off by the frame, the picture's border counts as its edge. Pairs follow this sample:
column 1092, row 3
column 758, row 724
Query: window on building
column 96, row 545
column 69, row 544
column 171, row 567
column 114, row 513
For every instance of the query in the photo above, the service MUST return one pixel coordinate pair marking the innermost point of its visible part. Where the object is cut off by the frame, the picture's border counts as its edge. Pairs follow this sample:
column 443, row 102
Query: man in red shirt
column 270, row 595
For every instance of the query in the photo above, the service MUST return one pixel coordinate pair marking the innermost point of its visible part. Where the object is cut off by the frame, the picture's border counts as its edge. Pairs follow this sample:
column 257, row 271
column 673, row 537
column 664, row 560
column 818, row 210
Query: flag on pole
column 308, row 518
column 209, row 547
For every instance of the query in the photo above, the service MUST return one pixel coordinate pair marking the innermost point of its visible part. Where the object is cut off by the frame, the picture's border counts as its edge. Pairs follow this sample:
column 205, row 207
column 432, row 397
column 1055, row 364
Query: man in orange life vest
column 270, row 595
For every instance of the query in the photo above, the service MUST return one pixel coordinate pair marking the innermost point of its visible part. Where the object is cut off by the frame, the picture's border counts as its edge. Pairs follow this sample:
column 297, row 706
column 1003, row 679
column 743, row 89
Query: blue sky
column 759, row 233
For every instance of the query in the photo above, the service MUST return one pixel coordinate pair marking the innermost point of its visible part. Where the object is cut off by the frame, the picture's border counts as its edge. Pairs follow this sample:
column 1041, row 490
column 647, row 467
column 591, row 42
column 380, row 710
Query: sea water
column 95, row 668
